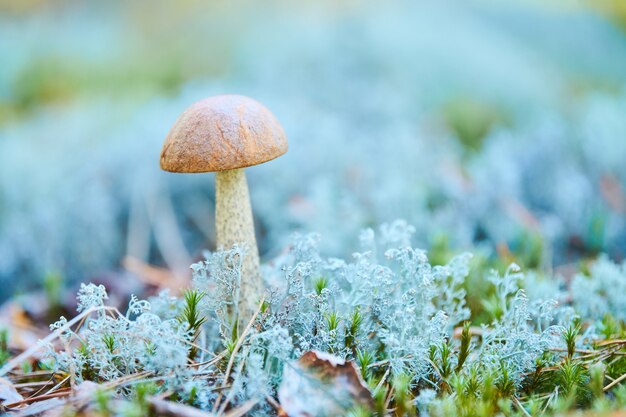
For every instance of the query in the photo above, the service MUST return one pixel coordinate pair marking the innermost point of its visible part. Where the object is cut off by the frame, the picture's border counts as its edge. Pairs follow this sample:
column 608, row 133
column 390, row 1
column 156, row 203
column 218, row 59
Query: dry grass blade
column 612, row 342
column 229, row 397
column 128, row 379
column 57, row 386
column 210, row 362
column 61, row 393
column 382, row 381
column 235, row 350
column 35, row 374
column 37, row 384
column 275, row 405
column 521, row 407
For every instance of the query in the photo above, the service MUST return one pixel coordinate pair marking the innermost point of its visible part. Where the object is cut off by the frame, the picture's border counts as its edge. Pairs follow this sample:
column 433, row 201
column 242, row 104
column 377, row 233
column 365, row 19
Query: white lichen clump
column 387, row 302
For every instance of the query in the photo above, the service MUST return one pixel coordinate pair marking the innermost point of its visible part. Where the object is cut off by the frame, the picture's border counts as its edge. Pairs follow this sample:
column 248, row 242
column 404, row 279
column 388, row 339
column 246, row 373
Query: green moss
column 472, row 120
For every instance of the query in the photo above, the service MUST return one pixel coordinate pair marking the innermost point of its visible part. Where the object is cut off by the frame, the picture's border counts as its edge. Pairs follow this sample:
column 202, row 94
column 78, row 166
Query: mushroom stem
column 234, row 225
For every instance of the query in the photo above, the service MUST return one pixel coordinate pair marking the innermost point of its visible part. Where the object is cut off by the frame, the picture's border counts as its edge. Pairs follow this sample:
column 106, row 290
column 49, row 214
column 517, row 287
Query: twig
column 280, row 411
column 617, row 381
column 33, row 384
column 389, row 397
column 275, row 405
column 594, row 352
column 127, row 379
column 612, row 342
column 30, row 375
column 211, row 362
column 54, row 388
column 65, row 393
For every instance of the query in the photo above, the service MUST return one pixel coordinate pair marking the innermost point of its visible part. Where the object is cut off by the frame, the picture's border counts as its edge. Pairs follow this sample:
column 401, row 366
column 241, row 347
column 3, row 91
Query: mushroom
column 225, row 134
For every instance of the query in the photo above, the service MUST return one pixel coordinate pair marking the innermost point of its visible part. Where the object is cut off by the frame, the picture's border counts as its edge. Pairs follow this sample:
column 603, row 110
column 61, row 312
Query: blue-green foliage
column 386, row 308
column 522, row 331
column 388, row 291
column 602, row 291
column 79, row 180
column 111, row 345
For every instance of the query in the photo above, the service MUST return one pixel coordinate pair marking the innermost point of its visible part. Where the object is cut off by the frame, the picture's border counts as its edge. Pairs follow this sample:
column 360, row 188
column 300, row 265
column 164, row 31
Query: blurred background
column 497, row 127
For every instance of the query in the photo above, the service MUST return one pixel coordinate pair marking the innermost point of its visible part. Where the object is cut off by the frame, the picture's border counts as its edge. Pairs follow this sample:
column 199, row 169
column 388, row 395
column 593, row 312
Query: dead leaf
column 613, row 193
column 153, row 275
column 23, row 333
column 320, row 384
column 8, row 393
column 521, row 214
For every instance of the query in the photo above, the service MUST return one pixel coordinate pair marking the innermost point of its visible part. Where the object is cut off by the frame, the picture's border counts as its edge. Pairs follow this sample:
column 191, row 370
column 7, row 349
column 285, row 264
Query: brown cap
column 221, row 133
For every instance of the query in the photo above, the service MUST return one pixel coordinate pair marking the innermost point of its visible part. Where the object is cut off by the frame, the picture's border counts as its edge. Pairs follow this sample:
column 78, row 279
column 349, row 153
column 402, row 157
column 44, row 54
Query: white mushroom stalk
column 225, row 134
column 234, row 225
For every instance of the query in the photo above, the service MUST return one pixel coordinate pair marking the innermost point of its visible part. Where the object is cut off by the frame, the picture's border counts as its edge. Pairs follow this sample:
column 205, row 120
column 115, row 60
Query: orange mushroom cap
column 221, row 133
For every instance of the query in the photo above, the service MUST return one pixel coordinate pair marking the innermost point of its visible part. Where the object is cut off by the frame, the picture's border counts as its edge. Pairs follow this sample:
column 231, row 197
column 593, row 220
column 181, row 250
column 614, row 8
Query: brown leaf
column 153, row 275
column 613, row 193
column 22, row 331
column 521, row 214
column 320, row 384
